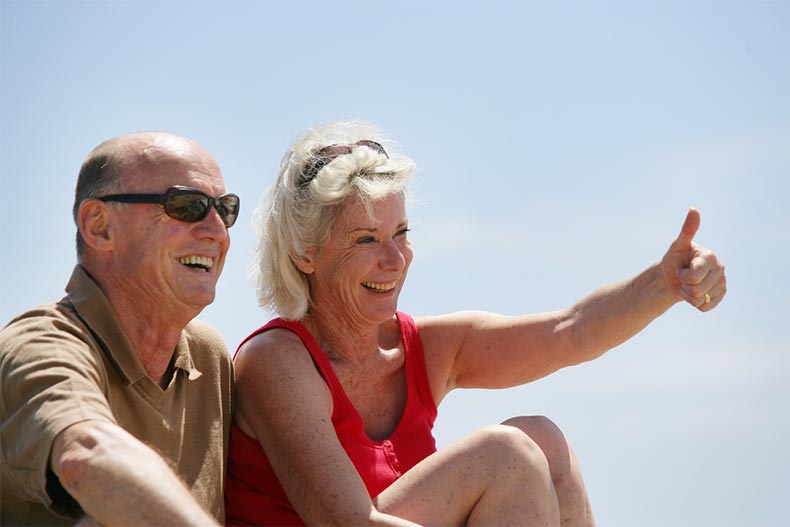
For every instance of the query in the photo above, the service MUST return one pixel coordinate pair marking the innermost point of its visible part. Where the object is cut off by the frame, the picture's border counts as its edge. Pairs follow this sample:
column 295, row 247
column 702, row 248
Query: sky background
column 560, row 145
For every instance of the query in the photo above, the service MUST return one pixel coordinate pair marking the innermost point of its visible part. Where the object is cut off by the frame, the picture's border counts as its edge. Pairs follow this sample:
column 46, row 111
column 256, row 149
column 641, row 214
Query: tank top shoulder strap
column 319, row 358
column 415, row 361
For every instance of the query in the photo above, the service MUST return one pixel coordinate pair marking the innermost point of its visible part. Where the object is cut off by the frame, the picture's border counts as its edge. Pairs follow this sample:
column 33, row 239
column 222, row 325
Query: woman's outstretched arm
column 486, row 350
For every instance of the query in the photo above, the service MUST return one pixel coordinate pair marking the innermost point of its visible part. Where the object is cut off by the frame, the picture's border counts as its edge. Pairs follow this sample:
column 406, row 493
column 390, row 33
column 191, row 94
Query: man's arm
column 117, row 479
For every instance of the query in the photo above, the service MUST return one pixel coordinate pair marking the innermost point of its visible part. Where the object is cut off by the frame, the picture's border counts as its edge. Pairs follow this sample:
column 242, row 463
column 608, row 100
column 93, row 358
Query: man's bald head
column 101, row 172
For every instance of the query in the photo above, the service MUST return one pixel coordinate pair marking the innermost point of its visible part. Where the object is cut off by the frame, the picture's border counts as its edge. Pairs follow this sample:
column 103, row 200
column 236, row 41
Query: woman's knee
column 565, row 471
column 552, row 442
column 537, row 426
column 545, row 433
column 514, row 450
column 564, row 468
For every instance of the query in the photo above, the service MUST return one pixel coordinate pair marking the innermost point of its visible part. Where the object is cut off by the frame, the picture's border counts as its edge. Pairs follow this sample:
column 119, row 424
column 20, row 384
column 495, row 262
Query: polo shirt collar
column 95, row 310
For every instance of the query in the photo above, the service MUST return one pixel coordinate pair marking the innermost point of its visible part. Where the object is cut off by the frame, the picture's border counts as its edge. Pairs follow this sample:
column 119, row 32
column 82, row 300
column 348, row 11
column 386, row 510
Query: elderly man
column 115, row 402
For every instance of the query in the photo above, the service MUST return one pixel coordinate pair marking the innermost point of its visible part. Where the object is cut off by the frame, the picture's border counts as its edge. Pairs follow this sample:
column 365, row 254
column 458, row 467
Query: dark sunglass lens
column 188, row 206
column 228, row 209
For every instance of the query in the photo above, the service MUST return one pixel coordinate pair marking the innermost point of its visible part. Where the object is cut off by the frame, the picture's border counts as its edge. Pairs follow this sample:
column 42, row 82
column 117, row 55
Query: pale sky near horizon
column 560, row 145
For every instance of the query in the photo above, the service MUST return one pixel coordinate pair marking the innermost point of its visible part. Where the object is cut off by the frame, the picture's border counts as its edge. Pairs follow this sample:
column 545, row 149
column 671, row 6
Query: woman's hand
column 691, row 271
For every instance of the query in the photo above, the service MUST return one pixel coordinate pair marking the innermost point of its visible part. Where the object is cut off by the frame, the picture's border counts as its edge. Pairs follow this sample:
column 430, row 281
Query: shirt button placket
column 389, row 451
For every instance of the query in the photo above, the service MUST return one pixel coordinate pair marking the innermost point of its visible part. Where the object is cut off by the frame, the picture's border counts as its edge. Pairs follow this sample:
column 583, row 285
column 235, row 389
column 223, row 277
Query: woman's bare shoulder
column 272, row 356
column 275, row 376
column 279, row 342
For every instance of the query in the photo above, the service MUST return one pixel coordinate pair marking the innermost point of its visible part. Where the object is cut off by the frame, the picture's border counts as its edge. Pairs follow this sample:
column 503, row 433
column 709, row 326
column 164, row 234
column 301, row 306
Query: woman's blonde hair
column 324, row 167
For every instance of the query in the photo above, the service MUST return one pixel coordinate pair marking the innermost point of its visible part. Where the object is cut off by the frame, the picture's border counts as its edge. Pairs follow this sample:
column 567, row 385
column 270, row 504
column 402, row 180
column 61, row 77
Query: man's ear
column 94, row 224
column 303, row 262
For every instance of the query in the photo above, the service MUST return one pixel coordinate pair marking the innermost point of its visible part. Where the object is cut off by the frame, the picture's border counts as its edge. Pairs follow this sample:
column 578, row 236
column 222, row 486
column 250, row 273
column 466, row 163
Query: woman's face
column 360, row 270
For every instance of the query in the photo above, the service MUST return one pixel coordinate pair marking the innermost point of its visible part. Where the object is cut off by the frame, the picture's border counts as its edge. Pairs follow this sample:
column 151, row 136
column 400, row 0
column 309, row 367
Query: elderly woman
column 337, row 398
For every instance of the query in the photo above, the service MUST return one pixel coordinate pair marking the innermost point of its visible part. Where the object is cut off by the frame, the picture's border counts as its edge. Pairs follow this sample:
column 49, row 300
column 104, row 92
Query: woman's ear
column 303, row 262
column 94, row 224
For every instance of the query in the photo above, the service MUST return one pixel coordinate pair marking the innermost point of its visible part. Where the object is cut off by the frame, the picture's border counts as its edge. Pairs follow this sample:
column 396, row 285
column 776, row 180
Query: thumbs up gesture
column 691, row 271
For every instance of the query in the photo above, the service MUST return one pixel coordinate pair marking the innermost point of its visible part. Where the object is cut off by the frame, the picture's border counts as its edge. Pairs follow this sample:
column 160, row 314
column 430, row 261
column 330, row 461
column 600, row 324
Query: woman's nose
column 392, row 256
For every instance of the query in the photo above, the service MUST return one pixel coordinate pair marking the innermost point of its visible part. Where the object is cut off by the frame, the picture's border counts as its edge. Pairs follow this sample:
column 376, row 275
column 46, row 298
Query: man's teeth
column 379, row 286
column 202, row 262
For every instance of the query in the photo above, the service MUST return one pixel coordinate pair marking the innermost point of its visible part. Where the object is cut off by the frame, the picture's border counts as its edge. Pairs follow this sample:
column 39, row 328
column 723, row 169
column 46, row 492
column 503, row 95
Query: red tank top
column 253, row 496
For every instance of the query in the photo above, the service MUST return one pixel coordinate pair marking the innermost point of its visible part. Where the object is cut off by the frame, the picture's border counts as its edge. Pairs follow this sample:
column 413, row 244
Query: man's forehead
column 156, row 150
column 151, row 146
column 171, row 159
column 162, row 149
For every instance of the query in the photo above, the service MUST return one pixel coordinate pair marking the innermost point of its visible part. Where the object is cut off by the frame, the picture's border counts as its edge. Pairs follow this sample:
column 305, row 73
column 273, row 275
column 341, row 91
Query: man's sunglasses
column 327, row 154
column 186, row 203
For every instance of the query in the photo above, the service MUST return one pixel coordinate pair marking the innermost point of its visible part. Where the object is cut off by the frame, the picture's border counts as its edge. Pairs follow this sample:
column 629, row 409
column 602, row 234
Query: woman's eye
column 403, row 232
column 366, row 239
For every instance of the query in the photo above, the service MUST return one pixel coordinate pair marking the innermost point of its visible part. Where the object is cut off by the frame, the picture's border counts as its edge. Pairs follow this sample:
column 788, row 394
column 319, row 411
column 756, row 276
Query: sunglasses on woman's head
column 327, row 154
column 186, row 203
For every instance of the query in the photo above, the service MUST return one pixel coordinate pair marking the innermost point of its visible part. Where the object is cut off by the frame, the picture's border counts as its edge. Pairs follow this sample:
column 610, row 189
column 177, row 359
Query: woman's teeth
column 376, row 286
column 200, row 262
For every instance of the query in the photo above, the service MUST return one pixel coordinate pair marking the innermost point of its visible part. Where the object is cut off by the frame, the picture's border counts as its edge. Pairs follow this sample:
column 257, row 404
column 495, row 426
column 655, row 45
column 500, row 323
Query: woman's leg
column 575, row 507
column 496, row 476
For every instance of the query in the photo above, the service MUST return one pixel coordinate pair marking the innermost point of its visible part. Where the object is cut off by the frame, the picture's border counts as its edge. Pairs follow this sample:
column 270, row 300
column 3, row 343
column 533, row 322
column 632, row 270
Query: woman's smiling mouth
column 380, row 286
column 198, row 262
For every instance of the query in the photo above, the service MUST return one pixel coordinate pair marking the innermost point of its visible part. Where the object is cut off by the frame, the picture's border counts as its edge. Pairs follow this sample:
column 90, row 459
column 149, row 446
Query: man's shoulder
column 197, row 330
column 203, row 338
column 55, row 319
column 47, row 336
column 60, row 308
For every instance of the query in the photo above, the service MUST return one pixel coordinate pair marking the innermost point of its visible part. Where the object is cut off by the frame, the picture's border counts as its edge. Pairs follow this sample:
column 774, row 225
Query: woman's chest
column 378, row 393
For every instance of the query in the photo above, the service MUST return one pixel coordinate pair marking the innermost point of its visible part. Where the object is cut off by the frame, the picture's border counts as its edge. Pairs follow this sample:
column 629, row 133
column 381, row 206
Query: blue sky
column 559, row 144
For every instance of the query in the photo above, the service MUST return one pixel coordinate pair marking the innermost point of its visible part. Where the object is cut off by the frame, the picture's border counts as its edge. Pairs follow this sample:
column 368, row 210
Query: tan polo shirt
column 68, row 362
